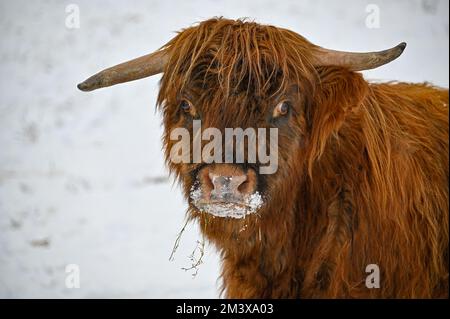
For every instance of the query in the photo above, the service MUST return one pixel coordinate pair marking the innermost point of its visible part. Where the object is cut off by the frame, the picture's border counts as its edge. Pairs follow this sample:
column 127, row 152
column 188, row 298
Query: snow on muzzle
column 225, row 190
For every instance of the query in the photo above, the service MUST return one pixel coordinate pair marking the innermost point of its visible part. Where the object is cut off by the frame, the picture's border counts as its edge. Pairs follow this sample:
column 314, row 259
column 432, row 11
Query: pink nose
column 226, row 183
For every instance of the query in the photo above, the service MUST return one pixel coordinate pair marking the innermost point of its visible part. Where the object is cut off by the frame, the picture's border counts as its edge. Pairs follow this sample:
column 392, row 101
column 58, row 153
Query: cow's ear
column 338, row 92
column 339, row 89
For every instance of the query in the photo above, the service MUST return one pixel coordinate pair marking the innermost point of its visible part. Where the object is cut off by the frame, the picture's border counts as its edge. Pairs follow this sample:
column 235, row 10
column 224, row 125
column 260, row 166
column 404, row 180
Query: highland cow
column 362, row 175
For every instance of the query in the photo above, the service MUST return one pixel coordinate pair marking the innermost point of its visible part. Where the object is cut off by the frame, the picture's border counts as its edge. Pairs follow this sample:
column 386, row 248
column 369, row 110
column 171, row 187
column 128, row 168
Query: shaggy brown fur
column 362, row 176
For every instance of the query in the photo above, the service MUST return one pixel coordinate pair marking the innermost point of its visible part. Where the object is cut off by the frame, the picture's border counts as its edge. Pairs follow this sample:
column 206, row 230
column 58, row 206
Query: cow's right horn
column 139, row 68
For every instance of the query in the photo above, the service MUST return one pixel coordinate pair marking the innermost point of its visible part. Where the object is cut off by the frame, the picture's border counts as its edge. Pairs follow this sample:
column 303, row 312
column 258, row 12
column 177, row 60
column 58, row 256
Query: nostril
column 206, row 181
column 243, row 188
column 249, row 184
column 209, row 183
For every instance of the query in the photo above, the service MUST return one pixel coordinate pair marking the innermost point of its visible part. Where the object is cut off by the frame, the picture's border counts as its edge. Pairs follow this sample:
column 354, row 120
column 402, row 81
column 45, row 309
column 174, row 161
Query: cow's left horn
column 139, row 68
column 357, row 61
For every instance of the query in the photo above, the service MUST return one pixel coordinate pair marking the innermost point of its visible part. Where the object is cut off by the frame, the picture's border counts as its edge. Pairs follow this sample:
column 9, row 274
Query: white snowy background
column 82, row 178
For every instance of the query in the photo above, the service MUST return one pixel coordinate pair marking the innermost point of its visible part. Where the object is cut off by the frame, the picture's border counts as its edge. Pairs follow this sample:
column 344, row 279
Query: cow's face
column 232, row 74
column 241, row 174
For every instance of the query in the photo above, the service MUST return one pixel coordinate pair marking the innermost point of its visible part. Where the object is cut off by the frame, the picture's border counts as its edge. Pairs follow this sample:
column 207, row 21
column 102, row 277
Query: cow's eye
column 185, row 106
column 281, row 109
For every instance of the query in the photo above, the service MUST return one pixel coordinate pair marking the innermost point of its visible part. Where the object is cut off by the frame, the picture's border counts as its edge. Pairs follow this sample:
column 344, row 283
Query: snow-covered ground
column 82, row 179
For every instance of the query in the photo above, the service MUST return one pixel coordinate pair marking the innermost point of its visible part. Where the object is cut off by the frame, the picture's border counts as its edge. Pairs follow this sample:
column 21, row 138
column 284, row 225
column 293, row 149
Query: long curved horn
column 357, row 61
column 139, row 68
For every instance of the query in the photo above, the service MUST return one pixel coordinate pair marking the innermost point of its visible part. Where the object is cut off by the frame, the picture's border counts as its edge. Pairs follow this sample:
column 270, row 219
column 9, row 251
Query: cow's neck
column 270, row 260
column 261, row 262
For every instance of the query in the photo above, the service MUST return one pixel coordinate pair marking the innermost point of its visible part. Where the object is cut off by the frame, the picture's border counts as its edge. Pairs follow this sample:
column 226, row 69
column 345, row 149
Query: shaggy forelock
column 236, row 58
